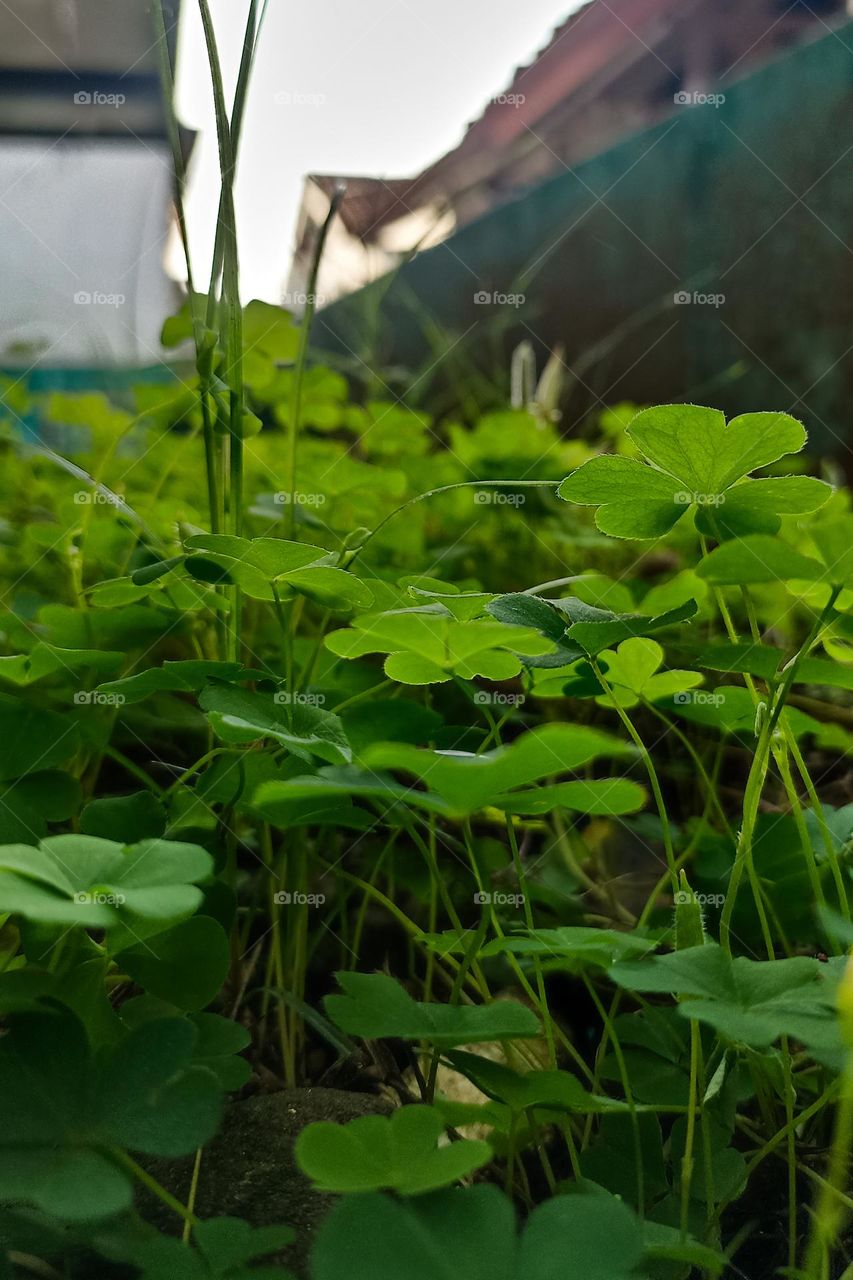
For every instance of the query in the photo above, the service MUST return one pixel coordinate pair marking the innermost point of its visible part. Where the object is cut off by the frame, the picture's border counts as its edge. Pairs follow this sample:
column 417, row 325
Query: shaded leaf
column 395, row 1153
column 374, row 1006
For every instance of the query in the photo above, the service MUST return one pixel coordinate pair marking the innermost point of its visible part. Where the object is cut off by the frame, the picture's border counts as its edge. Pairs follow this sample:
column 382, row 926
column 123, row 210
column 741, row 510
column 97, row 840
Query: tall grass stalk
column 830, row 1211
column 251, row 36
column 232, row 315
column 219, row 324
column 302, row 360
column 201, row 338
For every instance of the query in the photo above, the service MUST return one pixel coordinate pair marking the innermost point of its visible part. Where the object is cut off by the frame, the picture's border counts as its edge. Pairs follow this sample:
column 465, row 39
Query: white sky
column 378, row 87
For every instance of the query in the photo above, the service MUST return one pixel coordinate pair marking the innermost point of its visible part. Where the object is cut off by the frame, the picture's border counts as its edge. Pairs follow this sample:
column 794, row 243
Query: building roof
column 583, row 63
column 369, row 202
column 590, row 41
column 559, row 69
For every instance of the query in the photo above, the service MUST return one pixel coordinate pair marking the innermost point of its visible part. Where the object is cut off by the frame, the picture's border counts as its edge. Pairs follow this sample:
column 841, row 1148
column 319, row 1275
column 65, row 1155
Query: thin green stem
column 709, row 786
column 654, row 781
column 792, row 1126
column 112, row 753
column 758, row 771
column 625, row 1081
column 743, row 852
column 826, row 834
column 512, row 960
column 251, row 35
column 829, row 1212
column 350, row 554
column 690, row 1137
column 789, row 673
column 468, row 958
column 790, row 1096
column 537, row 964
column 151, row 1184
column 191, row 1198
column 781, row 758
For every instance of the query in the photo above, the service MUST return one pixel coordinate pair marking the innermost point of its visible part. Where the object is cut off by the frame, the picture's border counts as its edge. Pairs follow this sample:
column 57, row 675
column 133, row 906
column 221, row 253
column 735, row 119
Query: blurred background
column 657, row 195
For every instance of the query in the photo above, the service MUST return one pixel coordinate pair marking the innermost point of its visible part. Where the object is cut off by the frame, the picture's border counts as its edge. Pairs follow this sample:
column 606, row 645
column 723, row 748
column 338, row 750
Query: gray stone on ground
column 249, row 1171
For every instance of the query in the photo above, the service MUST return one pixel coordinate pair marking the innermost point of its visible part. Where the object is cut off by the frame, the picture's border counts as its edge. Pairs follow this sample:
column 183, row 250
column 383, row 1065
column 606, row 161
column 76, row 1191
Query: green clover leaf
column 461, row 782
column 63, row 1111
column 471, row 1235
column 431, row 648
column 633, row 672
column 467, row 782
column 694, row 459
column 750, row 1002
column 95, row 884
column 244, row 715
column 267, row 568
column 763, row 558
column 395, row 1153
column 376, row 1007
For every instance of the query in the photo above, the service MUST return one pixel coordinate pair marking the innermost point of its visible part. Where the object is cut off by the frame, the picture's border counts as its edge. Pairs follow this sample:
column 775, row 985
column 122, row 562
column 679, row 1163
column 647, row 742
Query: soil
column 248, row 1170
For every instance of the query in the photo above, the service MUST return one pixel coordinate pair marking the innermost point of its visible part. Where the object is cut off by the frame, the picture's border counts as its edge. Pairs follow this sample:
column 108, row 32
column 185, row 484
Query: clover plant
column 434, row 755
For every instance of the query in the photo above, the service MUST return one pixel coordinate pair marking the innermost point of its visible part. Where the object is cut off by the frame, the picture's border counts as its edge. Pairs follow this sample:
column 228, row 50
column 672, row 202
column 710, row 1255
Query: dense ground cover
column 499, row 774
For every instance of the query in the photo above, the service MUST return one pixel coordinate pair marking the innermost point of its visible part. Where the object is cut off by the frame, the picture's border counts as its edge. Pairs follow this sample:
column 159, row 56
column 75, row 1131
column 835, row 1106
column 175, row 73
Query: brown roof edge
column 558, row 69
column 369, row 202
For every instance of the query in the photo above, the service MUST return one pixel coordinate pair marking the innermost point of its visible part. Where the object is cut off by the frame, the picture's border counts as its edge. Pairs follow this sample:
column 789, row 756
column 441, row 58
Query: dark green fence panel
column 750, row 201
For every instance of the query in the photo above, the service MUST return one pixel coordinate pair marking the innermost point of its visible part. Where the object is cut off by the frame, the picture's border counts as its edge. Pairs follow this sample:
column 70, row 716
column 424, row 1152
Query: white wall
column 83, row 227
